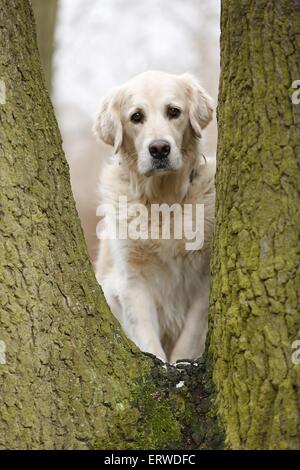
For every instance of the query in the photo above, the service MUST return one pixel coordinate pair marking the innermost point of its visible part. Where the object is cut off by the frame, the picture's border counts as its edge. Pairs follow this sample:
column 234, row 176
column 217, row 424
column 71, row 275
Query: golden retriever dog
column 155, row 285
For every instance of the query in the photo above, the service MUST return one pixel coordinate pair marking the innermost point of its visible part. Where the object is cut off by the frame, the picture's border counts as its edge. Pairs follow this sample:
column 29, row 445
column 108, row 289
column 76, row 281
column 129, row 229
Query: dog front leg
column 140, row 320
column 191, row 342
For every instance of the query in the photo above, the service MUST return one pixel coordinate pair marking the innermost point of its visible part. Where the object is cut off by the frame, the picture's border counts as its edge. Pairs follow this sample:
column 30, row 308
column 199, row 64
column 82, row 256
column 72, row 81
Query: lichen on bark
column 254, row 311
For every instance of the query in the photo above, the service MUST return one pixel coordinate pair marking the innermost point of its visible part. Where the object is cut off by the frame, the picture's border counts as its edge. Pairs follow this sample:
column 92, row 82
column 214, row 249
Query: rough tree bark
column 255, row 314
column 69, row 379
column 45, row 13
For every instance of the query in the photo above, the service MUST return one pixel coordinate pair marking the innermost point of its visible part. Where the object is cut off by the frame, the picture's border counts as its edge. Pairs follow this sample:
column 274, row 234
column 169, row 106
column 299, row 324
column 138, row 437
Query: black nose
column 159, row 148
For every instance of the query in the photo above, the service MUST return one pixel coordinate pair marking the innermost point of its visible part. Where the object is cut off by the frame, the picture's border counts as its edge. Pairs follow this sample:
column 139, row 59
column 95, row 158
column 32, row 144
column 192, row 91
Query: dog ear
column 108, row 125
column 201, row 104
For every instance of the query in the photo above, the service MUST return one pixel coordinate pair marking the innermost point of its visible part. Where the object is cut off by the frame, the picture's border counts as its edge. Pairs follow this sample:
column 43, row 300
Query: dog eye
column 137, row 117
column 173, row 112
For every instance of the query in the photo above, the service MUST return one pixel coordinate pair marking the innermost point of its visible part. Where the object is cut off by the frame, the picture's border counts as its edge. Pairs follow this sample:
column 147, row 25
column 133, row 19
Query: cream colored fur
column 156, row 288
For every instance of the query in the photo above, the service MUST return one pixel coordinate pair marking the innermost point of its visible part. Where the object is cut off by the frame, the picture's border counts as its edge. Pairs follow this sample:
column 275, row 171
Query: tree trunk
column 255, row 314
column 68, row 376
column 45, row 16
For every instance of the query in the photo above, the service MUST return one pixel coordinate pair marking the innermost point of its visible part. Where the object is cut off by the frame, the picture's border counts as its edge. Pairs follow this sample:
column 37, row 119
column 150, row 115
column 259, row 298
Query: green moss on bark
column 254, row 312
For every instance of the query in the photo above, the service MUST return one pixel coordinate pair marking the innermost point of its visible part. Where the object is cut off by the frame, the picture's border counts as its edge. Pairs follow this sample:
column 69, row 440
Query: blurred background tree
column 102, row 43
column 45, row 17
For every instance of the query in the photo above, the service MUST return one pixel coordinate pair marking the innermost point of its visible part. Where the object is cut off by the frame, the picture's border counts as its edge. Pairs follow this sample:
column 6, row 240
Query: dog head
column 150, row 117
